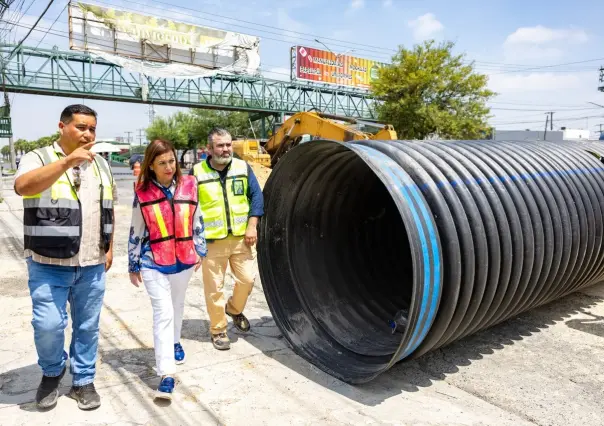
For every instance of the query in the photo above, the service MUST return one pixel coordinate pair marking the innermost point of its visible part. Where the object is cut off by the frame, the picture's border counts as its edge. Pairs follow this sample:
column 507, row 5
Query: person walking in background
column 166, row 245
column 68, row 194
column 231, row 202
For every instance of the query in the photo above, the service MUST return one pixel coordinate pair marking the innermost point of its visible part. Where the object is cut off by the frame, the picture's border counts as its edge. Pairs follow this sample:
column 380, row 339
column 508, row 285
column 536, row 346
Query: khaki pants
column 232, row 251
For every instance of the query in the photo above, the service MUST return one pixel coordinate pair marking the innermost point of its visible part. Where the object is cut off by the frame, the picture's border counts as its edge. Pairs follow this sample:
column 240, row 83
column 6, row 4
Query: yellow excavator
column 302, row 125
column 252, row 151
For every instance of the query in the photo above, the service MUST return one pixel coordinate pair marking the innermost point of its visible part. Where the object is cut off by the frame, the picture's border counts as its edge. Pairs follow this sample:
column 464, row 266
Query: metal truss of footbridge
column 80, row 75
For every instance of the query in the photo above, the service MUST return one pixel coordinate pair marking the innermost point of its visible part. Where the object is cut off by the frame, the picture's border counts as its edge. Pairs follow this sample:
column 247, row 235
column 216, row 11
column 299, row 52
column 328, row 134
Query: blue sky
column 519, row 44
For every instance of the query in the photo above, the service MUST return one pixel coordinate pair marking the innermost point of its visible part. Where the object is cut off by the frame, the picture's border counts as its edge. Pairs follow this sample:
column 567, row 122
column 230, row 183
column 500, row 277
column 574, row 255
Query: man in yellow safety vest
column 231, row 203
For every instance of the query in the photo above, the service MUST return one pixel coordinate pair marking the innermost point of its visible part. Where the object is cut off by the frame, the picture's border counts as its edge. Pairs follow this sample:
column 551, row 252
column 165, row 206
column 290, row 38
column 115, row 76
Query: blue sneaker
column 165, row 388
column 179, row 353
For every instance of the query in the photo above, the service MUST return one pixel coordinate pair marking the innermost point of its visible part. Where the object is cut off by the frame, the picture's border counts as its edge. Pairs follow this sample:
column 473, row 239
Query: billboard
column 322, row 66
column 136, row 36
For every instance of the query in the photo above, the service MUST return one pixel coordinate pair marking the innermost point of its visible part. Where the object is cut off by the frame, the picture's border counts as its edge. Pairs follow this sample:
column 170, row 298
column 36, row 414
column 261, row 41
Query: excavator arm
column 317, row 126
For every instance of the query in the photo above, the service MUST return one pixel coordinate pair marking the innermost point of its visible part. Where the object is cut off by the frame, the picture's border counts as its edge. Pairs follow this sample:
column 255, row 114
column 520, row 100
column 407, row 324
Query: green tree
column 5, row 151
column 237, row 123
column 21, row 146
column 174, row 129
column 47, row 140
column 430, row 91
column 189, row 130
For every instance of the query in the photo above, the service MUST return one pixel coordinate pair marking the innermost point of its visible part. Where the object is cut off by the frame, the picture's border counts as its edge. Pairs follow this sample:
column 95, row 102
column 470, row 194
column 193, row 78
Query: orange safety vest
column 170, row 222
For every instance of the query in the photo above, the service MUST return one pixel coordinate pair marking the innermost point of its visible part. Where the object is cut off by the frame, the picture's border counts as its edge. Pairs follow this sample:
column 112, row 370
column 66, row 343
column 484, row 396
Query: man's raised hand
column 80, row 155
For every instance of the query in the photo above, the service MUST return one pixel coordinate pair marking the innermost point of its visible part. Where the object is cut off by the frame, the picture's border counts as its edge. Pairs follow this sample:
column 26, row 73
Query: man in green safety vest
column 231, row 203
column 68, row 194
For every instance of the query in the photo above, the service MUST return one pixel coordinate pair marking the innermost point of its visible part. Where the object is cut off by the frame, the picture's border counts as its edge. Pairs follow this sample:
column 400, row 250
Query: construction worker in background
column 166, row 245
column 68, row 194
column 231, row 202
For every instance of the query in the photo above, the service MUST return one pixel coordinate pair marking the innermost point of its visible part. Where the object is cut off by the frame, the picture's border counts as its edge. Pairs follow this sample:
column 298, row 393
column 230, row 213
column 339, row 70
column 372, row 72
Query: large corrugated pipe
column 453, row 236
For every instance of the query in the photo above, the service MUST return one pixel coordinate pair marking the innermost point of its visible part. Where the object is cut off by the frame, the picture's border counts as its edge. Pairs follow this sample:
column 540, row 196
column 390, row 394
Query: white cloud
column 387, row 3
column 357, row 4
column 539, row 42
column 524, row 98
column 425, row 26
column 540, row 35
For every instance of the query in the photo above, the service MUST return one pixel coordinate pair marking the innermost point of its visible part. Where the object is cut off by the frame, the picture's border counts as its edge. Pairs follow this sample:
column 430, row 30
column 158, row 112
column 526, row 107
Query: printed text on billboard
column 149, row 38
column 322, row 66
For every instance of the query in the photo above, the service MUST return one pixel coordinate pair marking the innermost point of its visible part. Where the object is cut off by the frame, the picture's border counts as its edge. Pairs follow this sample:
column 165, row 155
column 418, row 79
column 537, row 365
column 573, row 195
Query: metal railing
column 61, row 73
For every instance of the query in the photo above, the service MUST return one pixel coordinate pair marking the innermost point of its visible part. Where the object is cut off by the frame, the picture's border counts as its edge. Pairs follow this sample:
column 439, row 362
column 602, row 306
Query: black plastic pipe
column 373, row 252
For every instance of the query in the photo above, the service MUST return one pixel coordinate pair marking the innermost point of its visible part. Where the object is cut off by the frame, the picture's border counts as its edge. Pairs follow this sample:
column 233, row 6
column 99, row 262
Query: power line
column 553, row 66
column 65, row 35
column 478, row 67
column 535, row 105
column 50, row 28
column 577, row 118
column 30, row 30
column 522, row 68
column 535, row 110
column 14, row 14
column 272, row 27
column 313, row 36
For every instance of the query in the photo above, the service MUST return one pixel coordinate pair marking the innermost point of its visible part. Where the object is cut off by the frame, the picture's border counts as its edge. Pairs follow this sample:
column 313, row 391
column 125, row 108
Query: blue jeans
column 51, row 287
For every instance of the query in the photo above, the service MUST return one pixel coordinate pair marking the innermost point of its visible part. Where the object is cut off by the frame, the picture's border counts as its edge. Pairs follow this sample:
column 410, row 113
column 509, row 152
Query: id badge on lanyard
column 238, row 187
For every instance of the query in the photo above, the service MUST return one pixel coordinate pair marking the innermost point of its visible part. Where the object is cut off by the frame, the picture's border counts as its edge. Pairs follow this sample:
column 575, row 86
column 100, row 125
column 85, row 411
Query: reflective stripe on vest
column 102, row 170
column 53, row 231
column 170, row 223
column 225, row 206
column 52, row 219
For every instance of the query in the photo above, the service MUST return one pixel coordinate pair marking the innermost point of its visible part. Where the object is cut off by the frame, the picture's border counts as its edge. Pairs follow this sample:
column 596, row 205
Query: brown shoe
column 239, row 321
column 221, row 341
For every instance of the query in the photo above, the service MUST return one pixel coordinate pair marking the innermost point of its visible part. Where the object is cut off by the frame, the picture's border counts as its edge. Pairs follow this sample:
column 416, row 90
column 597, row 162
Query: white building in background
column 564, row 134
column 575, row 134
column 528, row 135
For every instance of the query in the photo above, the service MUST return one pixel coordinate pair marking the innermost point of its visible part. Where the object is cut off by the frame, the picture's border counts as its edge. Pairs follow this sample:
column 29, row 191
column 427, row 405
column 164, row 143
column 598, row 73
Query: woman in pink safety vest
column 166, row 245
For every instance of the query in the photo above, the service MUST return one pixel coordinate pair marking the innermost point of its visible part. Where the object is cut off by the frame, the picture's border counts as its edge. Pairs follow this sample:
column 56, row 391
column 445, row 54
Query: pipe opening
column 352, row 254
column 349, row 266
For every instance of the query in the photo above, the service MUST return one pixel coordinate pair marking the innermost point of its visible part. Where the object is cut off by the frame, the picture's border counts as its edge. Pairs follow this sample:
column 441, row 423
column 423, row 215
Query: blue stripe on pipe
column 403, row 183
column 435, row 289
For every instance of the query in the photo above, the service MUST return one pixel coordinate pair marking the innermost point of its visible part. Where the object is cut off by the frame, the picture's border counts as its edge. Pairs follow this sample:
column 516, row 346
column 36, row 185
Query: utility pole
column 140, row 137
column 129, row 138
column 7, row 114
column 4, row 5
column 11, row 143
column 551, row 121
column 549, row 118
column 151, row 113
